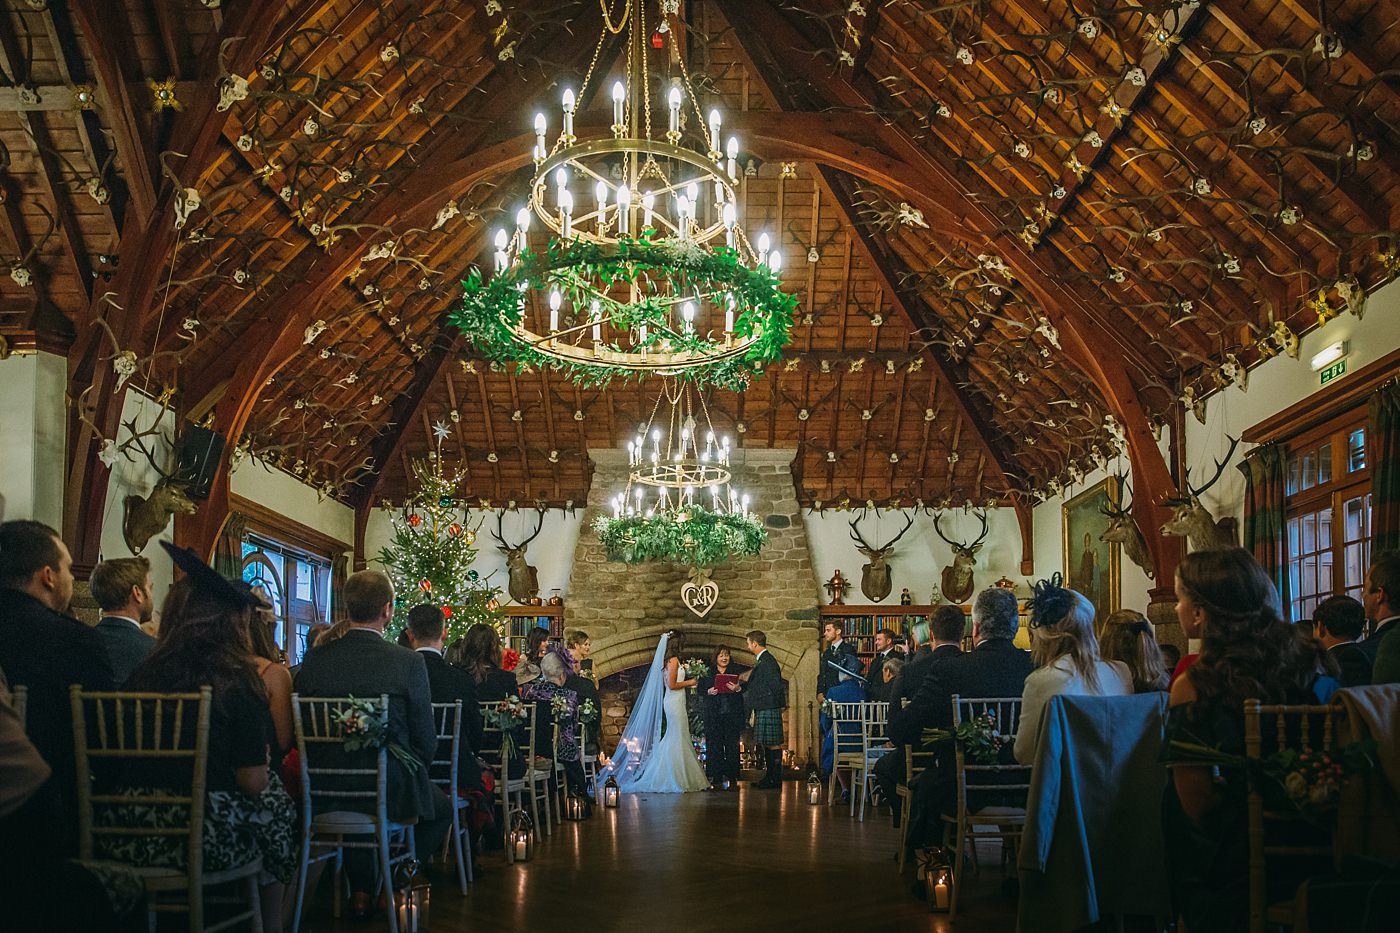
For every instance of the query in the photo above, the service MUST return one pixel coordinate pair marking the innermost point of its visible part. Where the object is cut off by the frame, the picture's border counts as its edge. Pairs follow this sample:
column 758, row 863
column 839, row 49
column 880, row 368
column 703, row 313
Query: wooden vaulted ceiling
column 1184, row 187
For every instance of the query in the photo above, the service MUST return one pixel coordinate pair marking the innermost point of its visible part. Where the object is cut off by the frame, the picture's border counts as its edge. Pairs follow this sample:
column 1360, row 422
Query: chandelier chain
column 607, row 16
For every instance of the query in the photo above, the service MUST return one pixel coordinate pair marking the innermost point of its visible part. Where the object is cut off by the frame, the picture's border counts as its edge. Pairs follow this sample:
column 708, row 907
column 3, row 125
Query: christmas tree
column 430, row 555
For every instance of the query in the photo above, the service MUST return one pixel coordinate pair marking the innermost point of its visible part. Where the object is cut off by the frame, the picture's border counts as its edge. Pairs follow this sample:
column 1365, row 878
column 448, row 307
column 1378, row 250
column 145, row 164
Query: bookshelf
column 521, row 619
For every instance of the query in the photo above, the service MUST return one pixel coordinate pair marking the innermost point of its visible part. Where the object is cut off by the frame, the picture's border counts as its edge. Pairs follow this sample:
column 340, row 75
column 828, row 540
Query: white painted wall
column 285, row 494
column 32, row 424
column 551, row 554
column 920, row 556
column 1273, row 386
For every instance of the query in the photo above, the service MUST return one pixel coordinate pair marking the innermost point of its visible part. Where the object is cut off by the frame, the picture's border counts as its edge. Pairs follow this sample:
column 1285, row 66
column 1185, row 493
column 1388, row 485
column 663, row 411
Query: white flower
column 107, row 453
column 368, row 291
column 1187, row 306
column 492, row 458
column 803, row 414
column 353, row 377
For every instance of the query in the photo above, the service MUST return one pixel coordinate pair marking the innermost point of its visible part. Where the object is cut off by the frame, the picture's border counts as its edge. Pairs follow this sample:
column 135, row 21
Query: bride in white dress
column 646, row 761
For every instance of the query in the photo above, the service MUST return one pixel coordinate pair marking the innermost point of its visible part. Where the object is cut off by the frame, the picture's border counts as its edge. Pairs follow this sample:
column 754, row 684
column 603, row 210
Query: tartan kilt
column 768, row 726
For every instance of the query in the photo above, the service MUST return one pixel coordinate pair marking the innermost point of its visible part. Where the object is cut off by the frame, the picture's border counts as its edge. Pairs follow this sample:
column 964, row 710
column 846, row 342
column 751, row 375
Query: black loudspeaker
column 197, row 456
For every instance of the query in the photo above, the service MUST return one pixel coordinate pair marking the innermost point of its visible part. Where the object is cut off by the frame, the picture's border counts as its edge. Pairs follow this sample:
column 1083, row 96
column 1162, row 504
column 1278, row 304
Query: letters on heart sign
column 700, row 598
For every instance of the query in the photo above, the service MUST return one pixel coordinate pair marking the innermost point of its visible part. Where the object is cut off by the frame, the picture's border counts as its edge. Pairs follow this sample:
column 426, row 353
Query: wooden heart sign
column 700, row 594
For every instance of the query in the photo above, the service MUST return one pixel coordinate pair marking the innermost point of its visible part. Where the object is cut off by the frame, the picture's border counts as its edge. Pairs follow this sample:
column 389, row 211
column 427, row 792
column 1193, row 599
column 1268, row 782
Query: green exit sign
column 1332, row 372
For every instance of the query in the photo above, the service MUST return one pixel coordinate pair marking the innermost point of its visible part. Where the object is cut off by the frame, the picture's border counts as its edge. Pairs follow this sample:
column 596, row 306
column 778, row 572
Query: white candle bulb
column 729, row 221
column 539, row 133
column 641, row 333
column 566, row 210
column 648, row 204
column 683, row 216
column 569, row 112
column 597, row 322
column 775, row 261
column 555, row 300
column 763, row 242
column 619, row 98
column 522, row 226
column 692, row 191
column 561, row 178
column 501, row 240
column 600, row 192
column 714, row 129
column 732, row 150
column 688, row 312
column 624, row 207
column 674, row 99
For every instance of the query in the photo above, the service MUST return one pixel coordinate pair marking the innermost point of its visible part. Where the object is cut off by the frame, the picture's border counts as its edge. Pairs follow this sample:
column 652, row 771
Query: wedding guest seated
column 122, row 588
column 723, row 714
column 1247, row 651
column 268, row 658
column 1066, row 656
column 995, row 667
column 479, row 653
column 205, row 640
column 362, row 664
column 848, row 688
column 1128, row 638
column 426, row 630
column 536, row 643
column 1382, row 599
column 42, row 892
column 1338, row 622
column 557, row 715
column 45, row 650
column 582, row 682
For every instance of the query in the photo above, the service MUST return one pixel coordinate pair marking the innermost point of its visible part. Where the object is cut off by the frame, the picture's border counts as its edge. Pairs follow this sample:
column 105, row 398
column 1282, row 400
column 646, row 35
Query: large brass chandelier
column 644, row 265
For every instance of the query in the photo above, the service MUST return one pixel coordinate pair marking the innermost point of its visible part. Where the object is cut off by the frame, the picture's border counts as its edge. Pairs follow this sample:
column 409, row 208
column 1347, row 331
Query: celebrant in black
column 723, row 712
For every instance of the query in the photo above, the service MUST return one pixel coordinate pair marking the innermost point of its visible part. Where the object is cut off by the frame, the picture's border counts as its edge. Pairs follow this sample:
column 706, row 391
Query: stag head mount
column 957, row 581
column 1123, row 528
column 875, row 581
column 1192, row 520
column 524, row 579
column 144, row 517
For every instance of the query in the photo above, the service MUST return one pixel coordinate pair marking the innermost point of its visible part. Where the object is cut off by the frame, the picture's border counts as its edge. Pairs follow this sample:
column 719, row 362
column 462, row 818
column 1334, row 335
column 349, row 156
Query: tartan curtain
column 228, row 549
column 1385, row 468
column 1265, row 516
column 340, row 566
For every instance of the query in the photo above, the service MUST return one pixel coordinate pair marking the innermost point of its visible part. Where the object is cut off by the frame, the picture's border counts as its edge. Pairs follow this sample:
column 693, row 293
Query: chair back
column 874, row 722
column 443, row 770
column 1000, row 778
column 1269, row 728
column 114, row 732
column 333, row 779
column 19, row 699
column 849, row 740
column 918, row 758
column 491, row 736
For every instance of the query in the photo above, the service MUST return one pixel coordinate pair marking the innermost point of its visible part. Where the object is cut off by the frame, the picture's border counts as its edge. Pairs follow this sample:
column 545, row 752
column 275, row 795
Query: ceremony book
column 726, row 683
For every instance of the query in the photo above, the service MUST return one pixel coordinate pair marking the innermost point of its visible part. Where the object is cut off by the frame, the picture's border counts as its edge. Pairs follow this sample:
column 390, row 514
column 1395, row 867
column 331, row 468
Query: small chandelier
column 648, row 269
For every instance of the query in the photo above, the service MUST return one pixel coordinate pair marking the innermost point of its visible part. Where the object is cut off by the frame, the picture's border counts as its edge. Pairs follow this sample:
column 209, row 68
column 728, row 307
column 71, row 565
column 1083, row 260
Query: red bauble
column 447, row 612
column 454, row 529
column 425, row 585
column 415, row 520
column 658, row 40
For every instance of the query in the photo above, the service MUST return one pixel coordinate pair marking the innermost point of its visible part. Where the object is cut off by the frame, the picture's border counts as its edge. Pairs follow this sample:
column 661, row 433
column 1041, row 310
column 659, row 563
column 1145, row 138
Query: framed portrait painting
column 1091, row 564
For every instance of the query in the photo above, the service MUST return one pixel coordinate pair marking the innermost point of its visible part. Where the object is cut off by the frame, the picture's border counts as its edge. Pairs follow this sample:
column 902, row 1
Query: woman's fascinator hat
column 847, row 664
column 1051, row 601
column 205, row 579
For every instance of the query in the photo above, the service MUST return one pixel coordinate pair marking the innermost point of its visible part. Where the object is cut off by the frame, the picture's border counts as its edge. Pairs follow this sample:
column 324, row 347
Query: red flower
column 447, row 612
column 510, row 659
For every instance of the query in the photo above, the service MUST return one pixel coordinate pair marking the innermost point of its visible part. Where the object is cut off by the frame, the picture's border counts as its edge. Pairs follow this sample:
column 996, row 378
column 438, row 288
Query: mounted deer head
column 957, row 578
column 1193, row 521
column 875, row 580
column 1123, row 529
column 144, row 517
column 524, row 579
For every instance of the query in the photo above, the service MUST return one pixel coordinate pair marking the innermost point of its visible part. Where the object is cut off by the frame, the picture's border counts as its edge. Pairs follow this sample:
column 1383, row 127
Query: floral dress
column 237, row 828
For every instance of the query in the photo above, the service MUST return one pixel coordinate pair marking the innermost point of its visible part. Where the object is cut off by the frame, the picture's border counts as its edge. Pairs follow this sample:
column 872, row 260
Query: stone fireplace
column 625, row 609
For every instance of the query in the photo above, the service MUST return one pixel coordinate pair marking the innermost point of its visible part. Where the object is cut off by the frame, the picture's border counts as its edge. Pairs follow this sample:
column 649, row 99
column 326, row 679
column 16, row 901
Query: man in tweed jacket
column 765, row 697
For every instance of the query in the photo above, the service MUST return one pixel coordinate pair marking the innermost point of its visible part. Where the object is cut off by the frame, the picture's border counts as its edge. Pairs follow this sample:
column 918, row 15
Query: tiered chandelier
column 648, row 269
column 678, row 503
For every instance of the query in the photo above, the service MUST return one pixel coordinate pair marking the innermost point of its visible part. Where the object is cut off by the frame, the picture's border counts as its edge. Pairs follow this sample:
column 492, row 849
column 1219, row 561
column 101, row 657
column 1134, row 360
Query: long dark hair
column 1247, row 649
column 535, row 644
column 714, row 661
column 202, row 640
column 478, row 651
column 675, row 645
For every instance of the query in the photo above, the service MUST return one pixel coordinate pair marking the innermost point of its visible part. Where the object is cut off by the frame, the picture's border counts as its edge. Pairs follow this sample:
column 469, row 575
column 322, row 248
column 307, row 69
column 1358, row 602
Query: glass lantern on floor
column 575, row 808
column 937, row 871
column 611, row 793
column 411, row 897
column 814, row 789
column 522, row 837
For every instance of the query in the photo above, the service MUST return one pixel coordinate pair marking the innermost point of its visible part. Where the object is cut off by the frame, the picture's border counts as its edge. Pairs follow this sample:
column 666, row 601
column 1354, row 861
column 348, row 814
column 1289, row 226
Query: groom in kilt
column 764, row 697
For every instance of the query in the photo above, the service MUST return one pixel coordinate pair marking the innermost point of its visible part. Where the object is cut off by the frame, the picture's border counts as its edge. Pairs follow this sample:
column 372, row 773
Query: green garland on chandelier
column 581, row 270
column 695, row 536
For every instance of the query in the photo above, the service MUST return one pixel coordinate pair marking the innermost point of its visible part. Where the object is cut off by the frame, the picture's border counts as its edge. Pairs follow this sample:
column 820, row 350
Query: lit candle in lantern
column 520, row 848
column 940, row 891
column 569, row 113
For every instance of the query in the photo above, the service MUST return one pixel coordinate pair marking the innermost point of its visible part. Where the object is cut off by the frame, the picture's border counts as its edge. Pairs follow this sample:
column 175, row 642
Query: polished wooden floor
column 751, row 860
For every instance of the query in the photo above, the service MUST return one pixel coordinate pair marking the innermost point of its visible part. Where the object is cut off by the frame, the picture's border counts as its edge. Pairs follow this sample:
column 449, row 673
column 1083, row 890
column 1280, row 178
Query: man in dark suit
column 1382, row 600
column 764, row 698
column 362, row 663
column 995, row 667
column 46, row 651
column 877, row 689
column 426, row 629
column 1338, row 622
column 836, row 646
column 122, row 588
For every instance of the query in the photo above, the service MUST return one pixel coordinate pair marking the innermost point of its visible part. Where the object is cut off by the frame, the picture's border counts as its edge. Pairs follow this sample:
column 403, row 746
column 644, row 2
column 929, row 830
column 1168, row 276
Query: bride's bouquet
column 695, row 668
